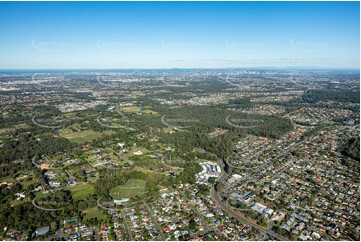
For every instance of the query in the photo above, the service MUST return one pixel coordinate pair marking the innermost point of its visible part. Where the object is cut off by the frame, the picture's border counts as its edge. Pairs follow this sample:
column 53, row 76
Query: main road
column 216, row 197
column 236, row 214
column 240, row 217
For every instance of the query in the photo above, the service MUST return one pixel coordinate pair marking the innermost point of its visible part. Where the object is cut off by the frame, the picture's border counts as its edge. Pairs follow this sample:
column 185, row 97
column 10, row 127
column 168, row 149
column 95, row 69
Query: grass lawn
column 5, row 130
column 169, row 130
column 27, row 182
column 7, row 179
column 136, row 109
column 40, row 195
column 81, row 191
column 131, row 189
column 82, row 137
column 17, row 202
column 328, row 122
column 135, row 149
column 13, row 128
column 93, row 213
column 21, row 126
column 131, row 109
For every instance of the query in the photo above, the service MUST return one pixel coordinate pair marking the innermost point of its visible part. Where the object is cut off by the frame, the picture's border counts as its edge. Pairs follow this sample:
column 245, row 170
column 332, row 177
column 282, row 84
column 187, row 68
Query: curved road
column 240, row 217
column 236, row 214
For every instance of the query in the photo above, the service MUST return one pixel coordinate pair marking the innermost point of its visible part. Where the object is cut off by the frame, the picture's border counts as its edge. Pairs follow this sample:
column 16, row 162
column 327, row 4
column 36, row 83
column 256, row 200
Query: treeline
column 26, row 217
column 244, row 102
column 111, row 179
column 27, row 146
column 187, row 175
column 314, row 96
column 8, row 169
column 221, row 146
column 20, row 113
column 200, row 121
column 352, row 148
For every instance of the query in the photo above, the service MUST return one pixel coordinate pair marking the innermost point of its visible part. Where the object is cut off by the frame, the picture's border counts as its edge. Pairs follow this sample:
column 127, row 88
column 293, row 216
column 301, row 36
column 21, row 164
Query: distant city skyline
column 137, row 35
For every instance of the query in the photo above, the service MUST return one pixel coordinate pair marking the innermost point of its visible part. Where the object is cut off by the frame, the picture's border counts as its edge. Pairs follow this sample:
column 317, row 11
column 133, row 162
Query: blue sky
column 105, row 35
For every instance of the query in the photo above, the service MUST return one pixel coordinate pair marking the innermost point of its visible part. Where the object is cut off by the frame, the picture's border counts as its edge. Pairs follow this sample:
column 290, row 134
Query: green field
column 5, row 130
column 40, row 195
column 328, row 122
column 81, row 191
column 131, row 189
column 17, row 202
column 13, row 128
column 82, row 137
column 135, row 109
column 27, row 182
column 93, row 213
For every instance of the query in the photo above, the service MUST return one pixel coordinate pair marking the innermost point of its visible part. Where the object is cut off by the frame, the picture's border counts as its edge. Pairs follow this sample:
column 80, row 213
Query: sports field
column 131, row 189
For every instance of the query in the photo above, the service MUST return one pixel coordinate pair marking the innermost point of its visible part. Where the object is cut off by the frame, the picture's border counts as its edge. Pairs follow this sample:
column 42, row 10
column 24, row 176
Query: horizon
column 190, row 68
column 182, row 35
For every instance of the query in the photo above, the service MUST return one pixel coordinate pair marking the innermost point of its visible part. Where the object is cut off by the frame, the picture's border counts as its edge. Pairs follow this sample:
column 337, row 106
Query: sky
column 112, row 35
